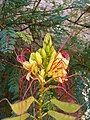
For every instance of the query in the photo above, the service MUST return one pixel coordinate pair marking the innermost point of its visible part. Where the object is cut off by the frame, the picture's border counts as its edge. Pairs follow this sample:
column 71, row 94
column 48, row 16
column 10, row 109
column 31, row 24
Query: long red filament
column 59, row 87
column 29, row 86
column 21, row 85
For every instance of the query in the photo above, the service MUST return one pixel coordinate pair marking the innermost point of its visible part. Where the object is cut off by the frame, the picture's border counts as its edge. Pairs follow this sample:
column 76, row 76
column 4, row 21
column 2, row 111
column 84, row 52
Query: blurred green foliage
column 59, row 20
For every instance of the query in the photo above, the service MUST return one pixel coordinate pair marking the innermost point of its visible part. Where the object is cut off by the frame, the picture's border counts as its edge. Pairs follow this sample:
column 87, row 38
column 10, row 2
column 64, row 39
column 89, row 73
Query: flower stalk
column 46, row 66
column 40, row 113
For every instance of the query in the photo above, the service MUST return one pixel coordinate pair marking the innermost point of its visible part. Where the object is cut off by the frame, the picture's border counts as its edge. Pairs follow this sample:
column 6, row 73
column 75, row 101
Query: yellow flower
column 26, row 65
column 57, row 68
column 46, row 62
column 31, row 67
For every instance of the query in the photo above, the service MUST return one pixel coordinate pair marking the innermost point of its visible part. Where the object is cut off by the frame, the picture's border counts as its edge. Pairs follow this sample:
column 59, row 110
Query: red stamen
column 21, row 85
column 66, row 55
column 29, row 86
column 21, row 57
column 66, row 92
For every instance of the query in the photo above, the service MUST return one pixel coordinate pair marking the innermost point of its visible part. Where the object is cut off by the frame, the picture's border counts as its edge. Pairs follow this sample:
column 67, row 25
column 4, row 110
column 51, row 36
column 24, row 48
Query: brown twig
column 36, row 6
column 82, row 25
column 66, row 40
column 80, row 17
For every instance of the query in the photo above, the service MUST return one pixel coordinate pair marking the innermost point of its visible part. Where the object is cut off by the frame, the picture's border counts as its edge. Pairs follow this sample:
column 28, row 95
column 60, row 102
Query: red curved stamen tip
column 21, row 57
column 66, row 55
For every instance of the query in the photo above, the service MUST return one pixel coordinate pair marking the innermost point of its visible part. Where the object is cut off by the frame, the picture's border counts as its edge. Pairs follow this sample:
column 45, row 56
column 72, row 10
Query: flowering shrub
column 45, row 65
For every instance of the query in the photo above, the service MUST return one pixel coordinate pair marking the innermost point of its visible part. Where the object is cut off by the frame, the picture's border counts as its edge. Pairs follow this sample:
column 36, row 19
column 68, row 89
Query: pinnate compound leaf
column 25, row 36
column 21, row 117
column 21, row 107
column 65, row 106
column 60, row 116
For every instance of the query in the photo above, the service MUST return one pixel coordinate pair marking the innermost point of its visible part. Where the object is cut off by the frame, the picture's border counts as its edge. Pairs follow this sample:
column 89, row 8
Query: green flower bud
column 38, row 58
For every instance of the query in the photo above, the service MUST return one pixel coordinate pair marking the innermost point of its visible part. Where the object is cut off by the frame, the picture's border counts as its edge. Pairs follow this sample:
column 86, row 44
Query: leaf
column 21, row 107
column 25, row 36
column 8, row 38
column 60, row 116
column 21, row 117
column 65, row 106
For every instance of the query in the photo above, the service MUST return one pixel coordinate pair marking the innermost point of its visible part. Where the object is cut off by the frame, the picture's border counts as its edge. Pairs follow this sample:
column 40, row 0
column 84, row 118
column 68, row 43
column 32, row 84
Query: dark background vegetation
column 36, row 19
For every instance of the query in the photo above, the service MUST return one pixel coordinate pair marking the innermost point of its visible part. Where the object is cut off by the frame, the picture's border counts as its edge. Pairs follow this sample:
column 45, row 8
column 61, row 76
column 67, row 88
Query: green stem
column 50, row 87
column 49, row 80
column 40, row 115
column 44, row 114
column 33, row 117
column 46, row 103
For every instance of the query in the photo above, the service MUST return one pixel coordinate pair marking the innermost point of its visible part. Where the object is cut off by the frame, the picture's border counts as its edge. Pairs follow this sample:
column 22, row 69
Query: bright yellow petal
column 28, row 76
column 26, row 65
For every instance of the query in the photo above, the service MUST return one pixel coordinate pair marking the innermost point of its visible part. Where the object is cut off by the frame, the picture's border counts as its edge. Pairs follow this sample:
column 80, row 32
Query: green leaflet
column 25, row 36
column 60, row 116
column 21, row 117
column 65, row 106
column 21, row 107
column 7, row 39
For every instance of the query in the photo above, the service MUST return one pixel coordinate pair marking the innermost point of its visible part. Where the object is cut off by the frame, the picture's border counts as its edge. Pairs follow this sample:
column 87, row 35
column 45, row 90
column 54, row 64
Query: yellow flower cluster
column 57, row 68
column 46, row 62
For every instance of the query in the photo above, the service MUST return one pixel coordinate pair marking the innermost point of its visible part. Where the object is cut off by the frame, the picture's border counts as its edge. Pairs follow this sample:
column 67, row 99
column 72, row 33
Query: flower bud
column 38, row 58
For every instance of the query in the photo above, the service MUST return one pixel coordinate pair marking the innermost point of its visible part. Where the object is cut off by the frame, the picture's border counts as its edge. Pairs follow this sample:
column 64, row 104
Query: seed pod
column 38, row 58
